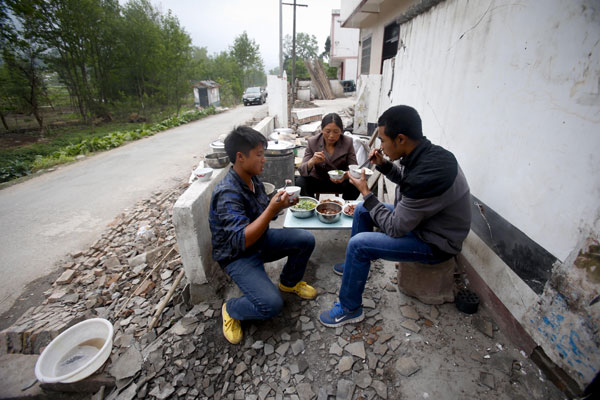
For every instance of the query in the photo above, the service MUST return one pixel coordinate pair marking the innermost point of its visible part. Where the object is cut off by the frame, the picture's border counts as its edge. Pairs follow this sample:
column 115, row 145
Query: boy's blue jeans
column 261, row 299
column 366, row 245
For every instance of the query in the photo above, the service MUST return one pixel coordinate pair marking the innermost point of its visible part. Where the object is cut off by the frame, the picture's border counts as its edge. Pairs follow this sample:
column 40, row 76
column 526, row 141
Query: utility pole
column 280, row 41
column 294, row 48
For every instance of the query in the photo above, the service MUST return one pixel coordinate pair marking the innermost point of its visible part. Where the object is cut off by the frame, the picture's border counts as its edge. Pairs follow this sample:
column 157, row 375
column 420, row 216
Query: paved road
column 44, row 218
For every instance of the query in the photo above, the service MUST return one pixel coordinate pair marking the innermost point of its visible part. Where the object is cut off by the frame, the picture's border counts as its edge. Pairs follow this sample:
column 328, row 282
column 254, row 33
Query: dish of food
column 336, row 175
column 329, row 212
column 305, row 208
column 349, row 210
column 305, row 204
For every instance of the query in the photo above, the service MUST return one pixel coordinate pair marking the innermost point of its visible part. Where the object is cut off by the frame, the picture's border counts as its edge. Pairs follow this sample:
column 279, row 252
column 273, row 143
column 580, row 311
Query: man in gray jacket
column 428, row 222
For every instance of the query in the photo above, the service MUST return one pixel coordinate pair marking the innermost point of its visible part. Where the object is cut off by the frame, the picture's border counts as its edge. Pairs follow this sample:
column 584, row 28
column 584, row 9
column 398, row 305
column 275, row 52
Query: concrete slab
column 17, row 372
column 301, row 114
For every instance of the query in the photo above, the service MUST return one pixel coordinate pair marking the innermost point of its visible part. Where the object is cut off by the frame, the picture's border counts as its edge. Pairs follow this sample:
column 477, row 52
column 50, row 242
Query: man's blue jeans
column 366, row 245
column 261, row 299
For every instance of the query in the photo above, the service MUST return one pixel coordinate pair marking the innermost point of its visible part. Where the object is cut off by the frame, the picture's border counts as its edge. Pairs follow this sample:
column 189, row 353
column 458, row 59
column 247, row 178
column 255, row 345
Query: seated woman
column 329, row 150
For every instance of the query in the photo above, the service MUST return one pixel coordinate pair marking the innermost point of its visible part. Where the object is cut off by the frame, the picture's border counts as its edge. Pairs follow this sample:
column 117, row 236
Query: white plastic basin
column 76, row 353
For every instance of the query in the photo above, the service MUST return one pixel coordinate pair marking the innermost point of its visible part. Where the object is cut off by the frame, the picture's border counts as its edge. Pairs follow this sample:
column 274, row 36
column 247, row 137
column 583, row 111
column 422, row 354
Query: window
column 365, row 58
column 391, row 34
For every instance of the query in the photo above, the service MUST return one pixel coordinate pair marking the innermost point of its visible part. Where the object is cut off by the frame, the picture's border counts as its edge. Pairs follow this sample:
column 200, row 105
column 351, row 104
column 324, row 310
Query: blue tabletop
column 314, row 223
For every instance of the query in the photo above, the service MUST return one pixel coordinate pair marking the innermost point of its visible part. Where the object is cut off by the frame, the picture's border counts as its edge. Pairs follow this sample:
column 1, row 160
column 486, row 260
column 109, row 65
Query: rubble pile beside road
column 108, row 278
column 403, row 348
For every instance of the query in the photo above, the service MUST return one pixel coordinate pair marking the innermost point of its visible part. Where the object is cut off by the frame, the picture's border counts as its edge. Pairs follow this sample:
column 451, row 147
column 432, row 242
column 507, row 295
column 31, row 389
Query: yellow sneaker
column 232, row 329
column 302, row 289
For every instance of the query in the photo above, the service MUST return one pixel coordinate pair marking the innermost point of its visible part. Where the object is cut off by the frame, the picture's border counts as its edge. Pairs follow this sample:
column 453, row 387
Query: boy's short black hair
column 401, row 119
column 243, row 139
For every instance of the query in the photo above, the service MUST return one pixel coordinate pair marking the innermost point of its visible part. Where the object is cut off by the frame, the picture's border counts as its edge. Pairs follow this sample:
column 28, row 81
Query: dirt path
column 44, row 218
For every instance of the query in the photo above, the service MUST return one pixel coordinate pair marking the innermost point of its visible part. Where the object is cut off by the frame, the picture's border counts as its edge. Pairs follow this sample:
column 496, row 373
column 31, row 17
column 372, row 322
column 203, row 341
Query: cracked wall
column 511, row 88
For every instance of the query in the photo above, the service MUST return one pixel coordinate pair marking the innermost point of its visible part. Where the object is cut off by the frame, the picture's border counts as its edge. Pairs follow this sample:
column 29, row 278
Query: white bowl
column 292, row 191
column 356, row 173
column 203, row 174
column 76, row 353
column 336, row 174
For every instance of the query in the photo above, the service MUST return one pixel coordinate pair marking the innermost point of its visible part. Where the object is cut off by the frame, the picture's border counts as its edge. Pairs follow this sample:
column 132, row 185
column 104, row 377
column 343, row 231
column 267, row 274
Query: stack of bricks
column 37, row 327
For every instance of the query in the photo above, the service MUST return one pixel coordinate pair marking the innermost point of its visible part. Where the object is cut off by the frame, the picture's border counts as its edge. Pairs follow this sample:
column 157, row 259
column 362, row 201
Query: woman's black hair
column 401, row 119
column 332, row 117
column 243, row 139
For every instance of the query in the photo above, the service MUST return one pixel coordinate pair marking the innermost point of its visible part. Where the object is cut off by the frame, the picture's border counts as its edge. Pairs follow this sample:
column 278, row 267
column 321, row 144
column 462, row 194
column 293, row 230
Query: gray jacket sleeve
column 406, row 216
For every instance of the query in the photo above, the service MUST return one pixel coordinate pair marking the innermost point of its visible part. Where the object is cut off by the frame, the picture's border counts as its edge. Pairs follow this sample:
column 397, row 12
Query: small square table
column 314, row 223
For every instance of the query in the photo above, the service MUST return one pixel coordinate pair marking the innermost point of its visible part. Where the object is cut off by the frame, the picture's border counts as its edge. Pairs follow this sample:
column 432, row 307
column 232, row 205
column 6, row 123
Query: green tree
column 199, row 63
column 22, row 74
column 141, row 37
column 176, row 59
column 78, row 48
column 325, row 53
column 306, row 46
column 246, row 53
column 227, row 72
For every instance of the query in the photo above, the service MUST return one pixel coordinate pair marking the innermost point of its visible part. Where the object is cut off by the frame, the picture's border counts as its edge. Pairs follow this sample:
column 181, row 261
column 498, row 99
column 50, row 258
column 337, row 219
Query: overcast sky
column 214, row 24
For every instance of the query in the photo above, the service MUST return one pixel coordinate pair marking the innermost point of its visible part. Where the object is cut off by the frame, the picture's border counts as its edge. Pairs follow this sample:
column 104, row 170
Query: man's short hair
column 401, row 119
column 243, row 139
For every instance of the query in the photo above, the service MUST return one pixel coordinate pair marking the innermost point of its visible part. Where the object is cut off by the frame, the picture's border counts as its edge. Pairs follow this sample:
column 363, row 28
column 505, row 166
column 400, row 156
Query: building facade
column 512, row 88
column 344, row 48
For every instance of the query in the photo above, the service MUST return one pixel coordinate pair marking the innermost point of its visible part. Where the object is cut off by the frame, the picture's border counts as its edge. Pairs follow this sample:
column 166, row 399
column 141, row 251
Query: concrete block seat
column 429, row 283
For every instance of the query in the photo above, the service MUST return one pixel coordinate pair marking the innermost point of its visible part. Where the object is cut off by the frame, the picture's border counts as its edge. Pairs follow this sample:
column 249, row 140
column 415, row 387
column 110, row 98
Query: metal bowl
column 269, row 189
column 218, row 147
column 329, row 218
column 216, row 160
column 300, row 213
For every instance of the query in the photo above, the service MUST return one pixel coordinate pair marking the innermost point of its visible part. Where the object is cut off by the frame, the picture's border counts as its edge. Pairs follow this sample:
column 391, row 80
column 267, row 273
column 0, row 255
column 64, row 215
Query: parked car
column 348, row 85
column 254, row 95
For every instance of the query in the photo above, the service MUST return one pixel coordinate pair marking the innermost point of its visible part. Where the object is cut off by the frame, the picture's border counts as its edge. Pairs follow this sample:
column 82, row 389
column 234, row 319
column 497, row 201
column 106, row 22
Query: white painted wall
column 344, row 41
column 512, row 88
column 367, row 95
column 348, row 6
column 277, row 99
column 350, row 69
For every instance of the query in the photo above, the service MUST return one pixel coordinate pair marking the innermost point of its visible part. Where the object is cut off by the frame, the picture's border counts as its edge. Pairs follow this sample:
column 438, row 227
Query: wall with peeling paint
column 513, row 90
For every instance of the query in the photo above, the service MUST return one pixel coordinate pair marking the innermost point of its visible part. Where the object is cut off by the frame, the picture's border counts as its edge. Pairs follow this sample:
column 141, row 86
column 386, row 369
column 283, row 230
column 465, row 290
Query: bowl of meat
column 329, row 212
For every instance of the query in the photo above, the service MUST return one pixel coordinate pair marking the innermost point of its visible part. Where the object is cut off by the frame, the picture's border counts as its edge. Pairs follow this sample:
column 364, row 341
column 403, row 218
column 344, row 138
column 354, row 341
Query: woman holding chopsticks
column 328, row 151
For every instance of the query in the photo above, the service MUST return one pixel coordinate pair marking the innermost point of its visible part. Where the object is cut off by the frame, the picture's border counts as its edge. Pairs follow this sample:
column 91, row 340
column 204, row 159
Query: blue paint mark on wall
column 574, row 347
column 566, row 335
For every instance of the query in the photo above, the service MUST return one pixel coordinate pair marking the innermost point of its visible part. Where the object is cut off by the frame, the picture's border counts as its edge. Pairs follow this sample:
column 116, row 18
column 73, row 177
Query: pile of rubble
column 122, row 277
column 403, row 348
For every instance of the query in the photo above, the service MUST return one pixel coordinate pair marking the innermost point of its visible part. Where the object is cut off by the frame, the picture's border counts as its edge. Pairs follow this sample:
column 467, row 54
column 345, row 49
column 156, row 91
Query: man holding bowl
column 428, row 222
column 240, row 213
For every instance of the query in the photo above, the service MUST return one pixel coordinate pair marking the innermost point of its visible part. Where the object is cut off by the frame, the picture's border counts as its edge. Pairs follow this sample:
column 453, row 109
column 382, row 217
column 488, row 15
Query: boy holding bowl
column 240, row 213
